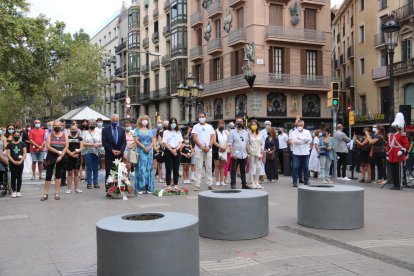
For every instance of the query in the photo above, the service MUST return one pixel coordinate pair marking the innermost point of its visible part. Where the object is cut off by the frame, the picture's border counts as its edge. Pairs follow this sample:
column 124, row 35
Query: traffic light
column 329, row 102
column 335, row 94
column 351, row 118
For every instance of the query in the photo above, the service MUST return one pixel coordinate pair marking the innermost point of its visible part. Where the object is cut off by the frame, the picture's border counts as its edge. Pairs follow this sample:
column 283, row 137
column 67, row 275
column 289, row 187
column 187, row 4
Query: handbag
column 271, row 155
column 132, row 156
column 159, row 155
column 100, row 152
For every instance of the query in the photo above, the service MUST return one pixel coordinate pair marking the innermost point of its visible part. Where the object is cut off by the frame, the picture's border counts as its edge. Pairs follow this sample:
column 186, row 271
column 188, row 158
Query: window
column 146, row 85
column 363, row 104
column 362, row 66
column 179, row 41
column 216, row 69
column 133, row 18
column 199, row 37
column 310, row 19
column 133, row 63
column 361, row 34
column 179, row 72
column 157, row 82
column 277, row 60
column 155, row 26
column 133, row 39
column 384, row 58
column 237, row 59
column 406, row 49
column 361, row 5
column 240, row 18
column 409, row 95
column 217, row 26
column 311, row 63
column 178, row 11
column 275, row 15
column 198, row 72
column 382, row 4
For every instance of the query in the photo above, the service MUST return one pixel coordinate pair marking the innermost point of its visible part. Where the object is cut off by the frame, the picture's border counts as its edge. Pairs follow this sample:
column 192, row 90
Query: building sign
column 370, row 119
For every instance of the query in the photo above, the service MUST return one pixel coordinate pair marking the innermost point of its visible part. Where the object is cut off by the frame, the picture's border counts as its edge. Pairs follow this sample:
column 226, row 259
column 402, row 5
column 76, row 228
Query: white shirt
column 256, row 145
column 301, row 141
column 283, row 139
column 263, row 132
column 204, row 133
column 172, row 138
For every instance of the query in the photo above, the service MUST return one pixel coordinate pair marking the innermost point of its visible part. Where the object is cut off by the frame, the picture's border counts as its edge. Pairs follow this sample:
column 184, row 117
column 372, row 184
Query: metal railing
column 165, row 60
column 350, row 51
column 155, row 37
column 268, row 80
column 144, row 96
column 405, row 11
column 146, row 20
column 380, row 72
column 166, row 31
column 196, row 52
column 167, row 5
column 145, row 69
column 214, row 8
column 196, row 18
column 295, row 34
column 155, row 13
column 155, row 64
column 214, row 45
column 145, row 42
column 404, row 67
column 349, row 82
column 379, row 39
column 234, row 2
column 160, row 93
column 120, row 47
column 236, row 36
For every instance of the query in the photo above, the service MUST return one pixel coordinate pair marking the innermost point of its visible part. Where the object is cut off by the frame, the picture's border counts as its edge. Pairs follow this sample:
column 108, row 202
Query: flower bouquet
column 171, row 191
column 118, row 184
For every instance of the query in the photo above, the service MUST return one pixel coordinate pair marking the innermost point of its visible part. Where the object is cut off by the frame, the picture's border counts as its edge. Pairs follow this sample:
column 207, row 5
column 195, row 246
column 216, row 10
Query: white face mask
column 300, row 128
column 202, row 120
column 144, row 122
column 374, row 129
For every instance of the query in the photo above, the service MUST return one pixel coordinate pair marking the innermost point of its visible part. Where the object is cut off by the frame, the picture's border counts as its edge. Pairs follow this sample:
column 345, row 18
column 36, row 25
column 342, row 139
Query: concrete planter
column 233, row 214
column 331, row 206
column 163, row 243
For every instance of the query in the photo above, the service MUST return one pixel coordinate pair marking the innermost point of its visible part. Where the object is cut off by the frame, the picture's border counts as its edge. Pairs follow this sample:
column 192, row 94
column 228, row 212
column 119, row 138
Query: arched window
column 241, row 105
column 218, row 109
column 276, row 104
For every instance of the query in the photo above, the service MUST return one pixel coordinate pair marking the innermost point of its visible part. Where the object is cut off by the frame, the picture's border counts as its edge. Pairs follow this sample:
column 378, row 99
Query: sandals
column 44, row 197
column 57, row 197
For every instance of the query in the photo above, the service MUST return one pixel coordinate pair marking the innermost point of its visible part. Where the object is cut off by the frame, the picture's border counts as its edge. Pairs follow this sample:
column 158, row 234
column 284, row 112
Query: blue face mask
column 37, row 125
column 10, row 131
column 100, row 124
column 128, row 128
column 1, row 132
column 114, row 124
column 173, row 126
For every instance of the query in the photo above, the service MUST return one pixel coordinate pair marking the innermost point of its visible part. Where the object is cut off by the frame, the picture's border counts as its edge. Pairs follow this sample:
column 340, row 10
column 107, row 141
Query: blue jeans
column 301, row 162
column 92, row 168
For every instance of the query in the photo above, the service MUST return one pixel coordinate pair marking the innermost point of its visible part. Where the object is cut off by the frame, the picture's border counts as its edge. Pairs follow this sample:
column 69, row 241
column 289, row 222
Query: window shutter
column 211, row 68
column 303, row 62
column 194, row 71
column 319, row 63
column 275, row 15
column 271, row 60
column 202, row 73
column 240, row 63
column 221, row 68
column 286, row 61
column 233, row 63
column 404, row 50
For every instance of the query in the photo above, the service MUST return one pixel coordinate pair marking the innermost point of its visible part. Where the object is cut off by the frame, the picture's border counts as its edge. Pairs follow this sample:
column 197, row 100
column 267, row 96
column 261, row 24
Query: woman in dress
column 326, row 149
column 271, row 148
column 379, row 143
column 220, row 153
column 92, row 141
column 130, row 144
column 364, row 148
column 256, row 154
column 172, row 141
column 73, row 161
column 144, row 172
column 57, row 145
column 314, row 164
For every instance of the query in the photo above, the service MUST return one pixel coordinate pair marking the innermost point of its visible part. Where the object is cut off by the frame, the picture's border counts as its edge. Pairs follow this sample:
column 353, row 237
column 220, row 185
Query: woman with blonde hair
column 256, row 153
column 144, row 172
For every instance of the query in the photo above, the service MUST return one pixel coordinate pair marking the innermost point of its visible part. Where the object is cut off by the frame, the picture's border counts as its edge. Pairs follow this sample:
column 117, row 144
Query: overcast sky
column 87, row 14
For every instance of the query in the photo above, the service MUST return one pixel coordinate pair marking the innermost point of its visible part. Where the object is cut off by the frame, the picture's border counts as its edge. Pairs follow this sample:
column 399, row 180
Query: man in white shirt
column 300, row 139
column 283, row 144
column 203, row 136
column 264, row 131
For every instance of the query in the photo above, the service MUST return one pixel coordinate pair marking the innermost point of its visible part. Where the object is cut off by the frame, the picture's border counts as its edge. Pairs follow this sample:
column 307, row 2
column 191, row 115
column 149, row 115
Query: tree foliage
column 41, row 64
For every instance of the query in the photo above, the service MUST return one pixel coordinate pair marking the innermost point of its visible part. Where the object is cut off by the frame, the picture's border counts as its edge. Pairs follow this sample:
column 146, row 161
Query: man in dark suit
column 114, row 142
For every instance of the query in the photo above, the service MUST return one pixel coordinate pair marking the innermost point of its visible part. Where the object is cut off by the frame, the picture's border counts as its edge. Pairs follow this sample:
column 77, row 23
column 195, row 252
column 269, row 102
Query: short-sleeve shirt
column 172, row 138
column 16, row 150
column 239, row 139
column 204, row 133
column 74, row 142
column 38, row 136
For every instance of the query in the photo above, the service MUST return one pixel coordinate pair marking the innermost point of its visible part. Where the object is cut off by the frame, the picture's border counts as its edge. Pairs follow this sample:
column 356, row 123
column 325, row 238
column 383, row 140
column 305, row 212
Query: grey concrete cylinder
column 162, row 243
column 331, row 206
column 233, row 214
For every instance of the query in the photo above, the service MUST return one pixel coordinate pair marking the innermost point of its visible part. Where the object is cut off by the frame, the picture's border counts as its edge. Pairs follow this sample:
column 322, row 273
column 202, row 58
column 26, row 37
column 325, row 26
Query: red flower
column 122, row 189
column 112, row 189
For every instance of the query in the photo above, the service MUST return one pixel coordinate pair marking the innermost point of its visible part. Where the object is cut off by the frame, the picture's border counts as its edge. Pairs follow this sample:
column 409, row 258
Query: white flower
column 110, row 179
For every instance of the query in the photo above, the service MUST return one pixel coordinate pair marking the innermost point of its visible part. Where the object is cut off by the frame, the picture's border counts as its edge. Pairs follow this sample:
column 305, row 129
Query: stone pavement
column 59, row 237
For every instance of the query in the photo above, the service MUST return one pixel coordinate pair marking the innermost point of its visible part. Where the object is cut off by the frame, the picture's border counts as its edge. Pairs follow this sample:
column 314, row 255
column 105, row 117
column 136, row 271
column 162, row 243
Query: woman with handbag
column 326, row 153
column 271, row 148
column 92, row 152
column 365, row 149
column 130, row 154
column 379, row 143
column 220, row 153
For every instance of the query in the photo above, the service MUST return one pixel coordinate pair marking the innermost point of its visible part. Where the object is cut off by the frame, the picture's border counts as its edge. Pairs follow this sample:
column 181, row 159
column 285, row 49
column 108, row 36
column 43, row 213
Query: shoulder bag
column 100, row 151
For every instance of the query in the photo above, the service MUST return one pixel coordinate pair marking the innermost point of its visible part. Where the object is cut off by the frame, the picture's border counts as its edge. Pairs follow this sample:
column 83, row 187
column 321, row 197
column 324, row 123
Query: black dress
column 271, row 165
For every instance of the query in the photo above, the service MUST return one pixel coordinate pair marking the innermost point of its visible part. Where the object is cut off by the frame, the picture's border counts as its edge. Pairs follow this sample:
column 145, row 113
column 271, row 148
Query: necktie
column 115, row 135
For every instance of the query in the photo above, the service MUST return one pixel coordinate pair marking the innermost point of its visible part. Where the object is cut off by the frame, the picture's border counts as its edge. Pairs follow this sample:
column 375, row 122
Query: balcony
column 165, row 60
column 196, row 53
column 314, row 2
column 145, row 42
column 214, row 9
column 155, row 65
column 380, row 73
column 404, row 12
column 145, row 69
column 233, row 3
column 155, row 38
column 350, row 52
column 167, row 6
column 112, row 59
column 379, row 40
column 214, row 46
column 164, row 93
column 336, row 64
column 120, row 47
column 269, row 80
column 118, row 72
column 144, row 97
column 278, row 33
column 236, row 37
column 155, row 13
column 196, row 19
column 404, row 67
column 120, row 96
column 341, row 60
column 146, row 20
column 349, row 82
column 166, row 31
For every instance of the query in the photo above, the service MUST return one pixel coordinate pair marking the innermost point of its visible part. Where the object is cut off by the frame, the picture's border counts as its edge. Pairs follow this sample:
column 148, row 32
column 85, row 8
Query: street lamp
column 391, row 31
column 190, row 91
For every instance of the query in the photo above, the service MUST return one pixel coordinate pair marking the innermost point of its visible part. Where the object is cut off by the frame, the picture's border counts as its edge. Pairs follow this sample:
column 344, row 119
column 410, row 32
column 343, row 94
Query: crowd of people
column 239, row 149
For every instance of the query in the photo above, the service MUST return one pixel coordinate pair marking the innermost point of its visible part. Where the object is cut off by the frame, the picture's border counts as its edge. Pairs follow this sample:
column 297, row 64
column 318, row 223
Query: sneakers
column 325, row 182
column 197, row 187
column 222, row 183
column 161, row 180
column 78, row 191
column 68, row 191
column 258, row 186
column 19, row 194
column 330, row 181
column 14, row 195
column 218, row 183
column 346, row 178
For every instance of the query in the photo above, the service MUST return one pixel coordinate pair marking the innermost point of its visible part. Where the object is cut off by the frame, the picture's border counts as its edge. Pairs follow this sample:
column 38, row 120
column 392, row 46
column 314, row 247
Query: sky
column 87, row 14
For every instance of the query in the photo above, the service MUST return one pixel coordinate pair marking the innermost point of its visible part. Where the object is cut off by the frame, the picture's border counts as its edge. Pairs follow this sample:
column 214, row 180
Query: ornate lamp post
column 391, row 31
column 190, row 91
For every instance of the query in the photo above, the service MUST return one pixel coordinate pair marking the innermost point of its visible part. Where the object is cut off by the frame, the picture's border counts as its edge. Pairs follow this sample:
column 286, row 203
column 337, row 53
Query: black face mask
column 239, row 125
column 57, row 129
column 16, row 138
column 221, row 128
column 74, row 133
column 92, row 127
column 84, row 127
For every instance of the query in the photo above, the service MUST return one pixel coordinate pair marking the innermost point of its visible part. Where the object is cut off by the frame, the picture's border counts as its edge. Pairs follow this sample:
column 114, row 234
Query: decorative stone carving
column 218, row 109
column 207, row 33
column 241, row 105
column 295, row 13
column 206, row 3
column 276, row 105
column 294, row 104
column 250, row 51
column 227, row 22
